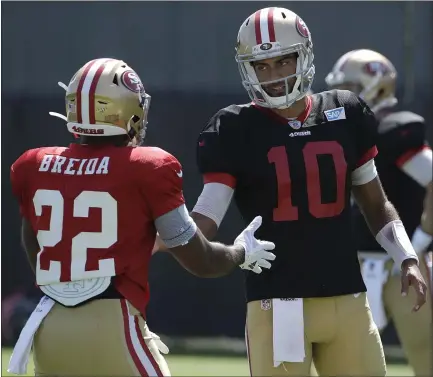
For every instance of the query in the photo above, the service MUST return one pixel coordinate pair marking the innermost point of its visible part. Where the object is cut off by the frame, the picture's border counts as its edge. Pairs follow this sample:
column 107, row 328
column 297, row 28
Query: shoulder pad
column 345, row 96
column 39, row 152
column 398, row 119
column 51, row 150
column 334, row 99
column 338, row 97
column 31, row 155
column 228, row 115
column 153, row 156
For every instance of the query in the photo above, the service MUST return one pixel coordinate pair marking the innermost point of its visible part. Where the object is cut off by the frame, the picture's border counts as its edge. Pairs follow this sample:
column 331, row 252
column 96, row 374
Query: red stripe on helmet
column 257, row 27
column 92, row 91
column 80, row 88
column 271, row 27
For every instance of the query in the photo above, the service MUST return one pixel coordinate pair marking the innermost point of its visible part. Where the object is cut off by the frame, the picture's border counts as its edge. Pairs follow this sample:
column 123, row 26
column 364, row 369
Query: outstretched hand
column 256, row 254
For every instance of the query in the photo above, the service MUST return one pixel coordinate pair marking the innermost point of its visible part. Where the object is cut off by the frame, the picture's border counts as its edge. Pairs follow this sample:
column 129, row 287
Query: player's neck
column 115, row 140
column 293, row 111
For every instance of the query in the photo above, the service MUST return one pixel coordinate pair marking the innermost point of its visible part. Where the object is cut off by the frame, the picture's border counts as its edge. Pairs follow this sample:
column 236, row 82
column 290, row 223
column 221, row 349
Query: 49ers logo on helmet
column 301, row 27
column 132, row 82
column 373, row 68
column 88, row 131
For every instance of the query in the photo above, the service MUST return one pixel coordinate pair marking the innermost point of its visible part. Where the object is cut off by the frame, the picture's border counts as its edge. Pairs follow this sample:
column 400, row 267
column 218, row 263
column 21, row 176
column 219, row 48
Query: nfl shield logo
column 266, row 304
column 295, row 124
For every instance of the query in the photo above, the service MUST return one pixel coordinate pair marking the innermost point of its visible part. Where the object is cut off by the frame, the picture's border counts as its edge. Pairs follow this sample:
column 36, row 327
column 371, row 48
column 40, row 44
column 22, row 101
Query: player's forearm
column 208, row 259
column 377, row 216
column 374, row 205
column 207, row 226
column 390, row 233
column 223, row 259
column 383, row 221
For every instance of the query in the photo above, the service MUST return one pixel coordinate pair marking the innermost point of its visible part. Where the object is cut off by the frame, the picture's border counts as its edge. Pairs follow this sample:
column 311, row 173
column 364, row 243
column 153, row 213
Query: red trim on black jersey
column 301, row 117
column 224, row 178
column 405, row 157
column 369, row 155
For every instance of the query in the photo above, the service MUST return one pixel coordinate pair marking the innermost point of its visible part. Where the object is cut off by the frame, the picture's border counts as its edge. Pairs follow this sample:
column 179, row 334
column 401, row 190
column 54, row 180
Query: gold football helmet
column 105, row 98
column 270, row 33
column 368, row 74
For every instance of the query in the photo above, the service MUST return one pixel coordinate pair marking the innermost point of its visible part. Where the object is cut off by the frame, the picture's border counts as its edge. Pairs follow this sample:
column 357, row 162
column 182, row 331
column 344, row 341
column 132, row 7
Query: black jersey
column 401, row 135
column 297, row 175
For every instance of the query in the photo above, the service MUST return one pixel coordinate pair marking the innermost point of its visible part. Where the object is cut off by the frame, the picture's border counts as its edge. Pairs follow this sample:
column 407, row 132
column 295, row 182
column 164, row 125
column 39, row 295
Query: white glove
column 256, row 255
column 159, row 343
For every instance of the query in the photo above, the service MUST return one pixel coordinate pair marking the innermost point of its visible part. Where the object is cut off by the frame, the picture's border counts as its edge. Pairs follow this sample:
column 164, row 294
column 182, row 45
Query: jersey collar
column 301, row 117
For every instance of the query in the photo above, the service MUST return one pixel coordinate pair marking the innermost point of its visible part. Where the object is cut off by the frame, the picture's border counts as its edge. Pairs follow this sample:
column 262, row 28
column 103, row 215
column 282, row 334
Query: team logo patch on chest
column 295, row 124
column 335, row 114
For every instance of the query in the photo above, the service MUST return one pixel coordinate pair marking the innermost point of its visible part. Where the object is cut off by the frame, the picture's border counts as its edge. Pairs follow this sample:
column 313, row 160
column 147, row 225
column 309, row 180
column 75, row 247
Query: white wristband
column 394, row 239
column 421, row 240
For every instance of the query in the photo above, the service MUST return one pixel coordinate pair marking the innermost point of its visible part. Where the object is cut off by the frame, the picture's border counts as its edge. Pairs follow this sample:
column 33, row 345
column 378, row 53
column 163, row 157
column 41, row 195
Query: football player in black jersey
column 295, row 159
column 404, row 164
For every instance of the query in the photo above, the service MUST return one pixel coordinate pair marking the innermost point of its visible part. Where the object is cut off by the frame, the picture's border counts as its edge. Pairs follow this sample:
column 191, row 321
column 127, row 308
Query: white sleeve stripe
column 419, row 167
column 364, row 174
column 214, row 201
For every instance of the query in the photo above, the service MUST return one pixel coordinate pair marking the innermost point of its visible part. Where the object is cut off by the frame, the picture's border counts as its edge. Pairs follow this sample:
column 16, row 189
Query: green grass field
column 190, row 365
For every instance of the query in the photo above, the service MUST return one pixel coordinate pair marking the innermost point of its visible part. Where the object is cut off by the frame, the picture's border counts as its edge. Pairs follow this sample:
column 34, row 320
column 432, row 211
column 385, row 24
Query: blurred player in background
column 427, row 215
column 90, row 213
column 404, row 164
column 294, row 159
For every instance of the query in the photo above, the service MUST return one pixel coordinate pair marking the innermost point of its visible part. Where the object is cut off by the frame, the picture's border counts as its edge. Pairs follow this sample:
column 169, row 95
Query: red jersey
column 93, row 210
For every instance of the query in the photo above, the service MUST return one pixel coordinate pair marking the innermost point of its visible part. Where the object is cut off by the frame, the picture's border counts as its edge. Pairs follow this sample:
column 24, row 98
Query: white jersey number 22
column 82, row 241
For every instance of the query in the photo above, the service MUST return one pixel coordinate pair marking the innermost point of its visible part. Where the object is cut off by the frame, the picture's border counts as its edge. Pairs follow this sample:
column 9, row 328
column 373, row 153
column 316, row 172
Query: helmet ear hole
column 115, row 80
column 132, row 133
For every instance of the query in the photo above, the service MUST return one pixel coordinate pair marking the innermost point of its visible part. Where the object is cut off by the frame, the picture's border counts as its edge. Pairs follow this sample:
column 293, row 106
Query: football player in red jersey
column 90, row 214
column 404, row 164
column 295, row 159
